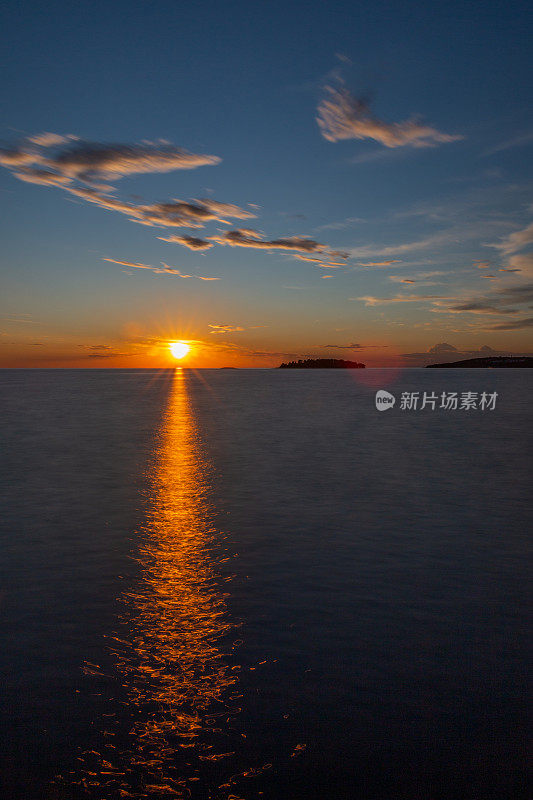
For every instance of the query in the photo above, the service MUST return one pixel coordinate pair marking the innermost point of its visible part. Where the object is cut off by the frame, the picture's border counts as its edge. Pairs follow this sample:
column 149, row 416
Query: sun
column 178, row 349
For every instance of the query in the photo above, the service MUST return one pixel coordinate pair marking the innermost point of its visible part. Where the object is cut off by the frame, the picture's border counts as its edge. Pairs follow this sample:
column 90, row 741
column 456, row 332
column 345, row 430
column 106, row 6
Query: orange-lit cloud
column 351, row 346
column 343, row 116
column 175, row 213
column 404, row 298
column 163, row 270
column 89, row 161
column 192, row 242
column 515, row 325
column 381, row 263
column 247, row 238
column 225, row 328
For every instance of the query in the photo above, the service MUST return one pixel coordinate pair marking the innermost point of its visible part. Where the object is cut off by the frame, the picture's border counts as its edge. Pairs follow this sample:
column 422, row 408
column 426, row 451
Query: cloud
column 88, row 161
column 369, row 300
column 366, row 251
column 522, row 262
column 17, row 156
column 252, row 239
column 41, row 176
column 219, row 210
column 381, row 263
column 175, row 213
column 113, row 354
column 192, row 242
column 225, row 328
column 50, row 139
column 517, row 141
column 515, row 241
column 352, row 346
column 75, row 166
column 337, row 226
column 481, row 307
column 81, row 169
column 342, row 116
column 322, row 262
column 24, row 318
column 163, row 270
column 505, row 300
column 455, row 235
column 515, row 325
column 443, row 347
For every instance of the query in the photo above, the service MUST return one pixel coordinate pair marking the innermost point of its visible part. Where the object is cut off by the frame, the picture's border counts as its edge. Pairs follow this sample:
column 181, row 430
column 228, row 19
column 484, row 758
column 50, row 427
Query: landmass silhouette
column 497, row 361
column 321, row 363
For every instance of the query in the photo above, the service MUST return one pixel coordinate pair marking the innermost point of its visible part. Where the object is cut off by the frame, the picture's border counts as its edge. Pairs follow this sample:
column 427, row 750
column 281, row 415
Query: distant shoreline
column 322, row 363
column 496, row 362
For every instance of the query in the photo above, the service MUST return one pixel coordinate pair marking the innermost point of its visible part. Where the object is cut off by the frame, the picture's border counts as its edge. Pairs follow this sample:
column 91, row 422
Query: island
column 322, row 363
column 510, row 362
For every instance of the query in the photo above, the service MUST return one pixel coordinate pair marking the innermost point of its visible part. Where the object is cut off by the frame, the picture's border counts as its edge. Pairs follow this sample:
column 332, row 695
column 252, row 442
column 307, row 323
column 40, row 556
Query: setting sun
column 179, row 349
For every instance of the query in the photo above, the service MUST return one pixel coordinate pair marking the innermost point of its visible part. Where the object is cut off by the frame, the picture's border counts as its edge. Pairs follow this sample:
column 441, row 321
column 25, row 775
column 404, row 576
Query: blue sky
column 422, row 159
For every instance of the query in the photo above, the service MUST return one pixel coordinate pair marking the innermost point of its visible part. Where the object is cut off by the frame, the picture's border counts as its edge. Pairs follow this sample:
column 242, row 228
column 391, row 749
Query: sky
column 265, row 181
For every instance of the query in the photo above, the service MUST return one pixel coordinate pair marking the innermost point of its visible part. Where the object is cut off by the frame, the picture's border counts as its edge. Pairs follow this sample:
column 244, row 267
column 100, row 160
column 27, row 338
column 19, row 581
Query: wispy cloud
column 173, row 213
column 249, row 238
column 225, row 328
column 521, row 262
column 20, row 318
column 192, row 242
column 501, row 301
column 370, row 300
column 343, row 116
column 516, row 141
column 351, row 346
column 427, row 242
column 163, row 270
column 82, row 169
column 515, row 241
column 515, row 325
column 381, row 263
column 341, row 224
column 89, row 161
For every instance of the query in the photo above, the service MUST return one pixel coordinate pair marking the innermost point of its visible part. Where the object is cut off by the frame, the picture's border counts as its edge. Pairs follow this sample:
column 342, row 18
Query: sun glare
column 179, row 349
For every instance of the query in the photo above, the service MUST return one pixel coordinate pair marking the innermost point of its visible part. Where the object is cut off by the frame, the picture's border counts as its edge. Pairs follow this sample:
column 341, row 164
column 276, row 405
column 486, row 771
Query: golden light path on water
column 181, row 694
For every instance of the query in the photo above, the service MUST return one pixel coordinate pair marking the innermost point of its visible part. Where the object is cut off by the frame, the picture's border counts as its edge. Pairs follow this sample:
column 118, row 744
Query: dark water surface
column 251, row 584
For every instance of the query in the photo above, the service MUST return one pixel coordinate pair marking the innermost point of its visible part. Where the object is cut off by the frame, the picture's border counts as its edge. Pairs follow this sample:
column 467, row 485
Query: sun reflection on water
column 181, row 698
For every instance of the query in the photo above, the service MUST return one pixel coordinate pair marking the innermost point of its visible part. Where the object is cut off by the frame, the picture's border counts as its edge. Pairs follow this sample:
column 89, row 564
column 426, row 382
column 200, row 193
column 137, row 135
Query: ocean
column 252, row 584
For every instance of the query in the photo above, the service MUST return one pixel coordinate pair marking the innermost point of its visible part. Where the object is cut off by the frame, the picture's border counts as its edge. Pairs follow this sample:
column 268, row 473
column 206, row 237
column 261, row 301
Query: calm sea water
column 251, row 584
